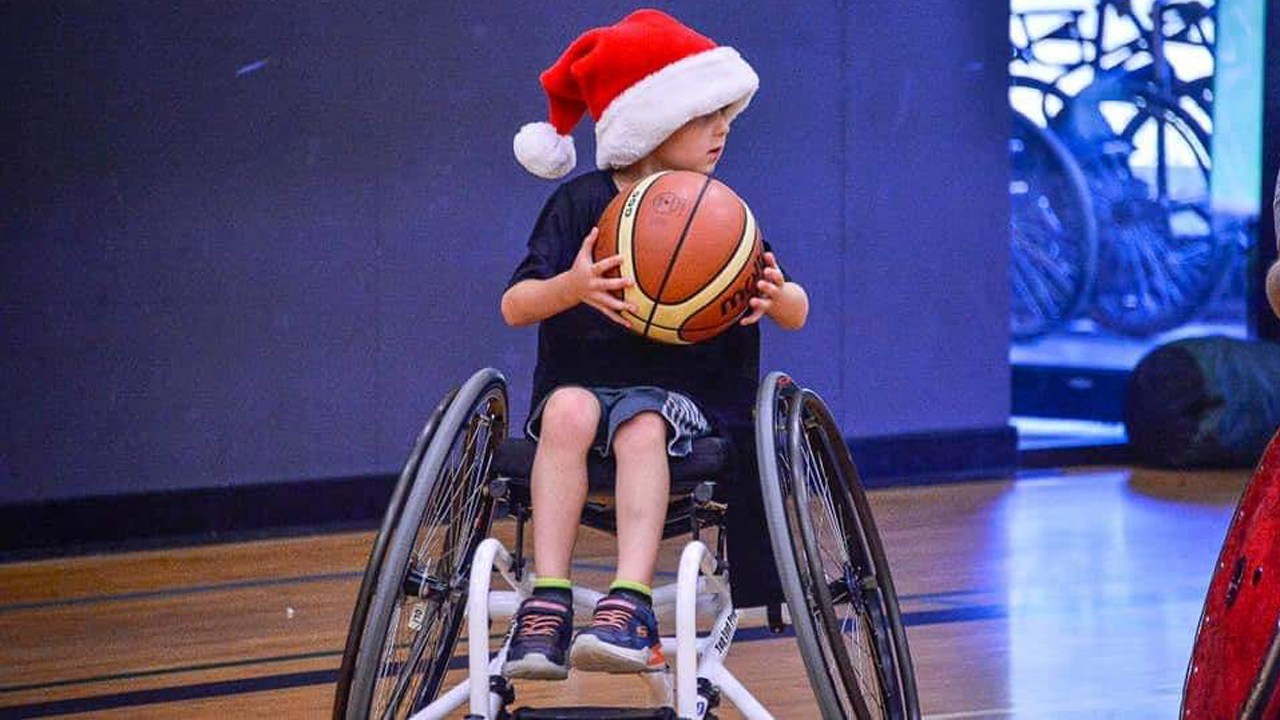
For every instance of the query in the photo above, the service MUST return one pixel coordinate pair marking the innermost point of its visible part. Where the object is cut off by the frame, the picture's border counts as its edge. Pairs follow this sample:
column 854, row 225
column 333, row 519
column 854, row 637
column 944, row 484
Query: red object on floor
column 1235, row 664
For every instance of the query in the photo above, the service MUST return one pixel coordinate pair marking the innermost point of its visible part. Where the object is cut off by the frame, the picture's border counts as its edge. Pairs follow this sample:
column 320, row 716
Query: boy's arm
column 1273, row 287
column 1273, row 275
column 790, row 306
column 784, row 301
column 530, row 301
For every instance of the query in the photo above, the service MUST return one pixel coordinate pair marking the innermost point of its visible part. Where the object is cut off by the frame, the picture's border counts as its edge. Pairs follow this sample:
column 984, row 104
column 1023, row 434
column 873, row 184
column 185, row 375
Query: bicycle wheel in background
column 1053, row 236
column 1160, row 260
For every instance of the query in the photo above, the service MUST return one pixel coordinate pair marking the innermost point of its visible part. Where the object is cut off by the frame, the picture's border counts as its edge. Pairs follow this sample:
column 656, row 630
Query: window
column 1135, row 164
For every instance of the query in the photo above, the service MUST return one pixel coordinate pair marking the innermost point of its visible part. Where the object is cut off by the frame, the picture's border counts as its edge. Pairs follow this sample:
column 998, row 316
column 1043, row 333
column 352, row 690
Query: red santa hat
column 641, row 80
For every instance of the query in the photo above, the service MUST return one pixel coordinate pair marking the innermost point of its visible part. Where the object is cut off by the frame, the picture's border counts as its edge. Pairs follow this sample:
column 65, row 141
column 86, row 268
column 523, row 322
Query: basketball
column 693, row 250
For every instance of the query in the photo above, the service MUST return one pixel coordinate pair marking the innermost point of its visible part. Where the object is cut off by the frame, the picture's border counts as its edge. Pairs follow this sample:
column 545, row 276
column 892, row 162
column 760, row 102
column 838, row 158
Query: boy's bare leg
column 559, row 477
column 643, row 486
column 543, row 626
column 623, row 636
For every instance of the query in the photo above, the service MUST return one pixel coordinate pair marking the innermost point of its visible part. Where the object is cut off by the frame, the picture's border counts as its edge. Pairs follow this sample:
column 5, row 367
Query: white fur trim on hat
column 641, row 117
column 544, row 152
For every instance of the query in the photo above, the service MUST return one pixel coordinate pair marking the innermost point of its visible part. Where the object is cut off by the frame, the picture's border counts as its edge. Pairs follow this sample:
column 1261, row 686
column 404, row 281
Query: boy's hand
column 769, row 288
column 589, row 285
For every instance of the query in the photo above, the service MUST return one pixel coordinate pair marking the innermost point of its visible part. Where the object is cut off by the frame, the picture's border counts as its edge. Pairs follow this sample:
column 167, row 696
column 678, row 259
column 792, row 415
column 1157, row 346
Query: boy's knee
column 571, row 413
column 641, row 433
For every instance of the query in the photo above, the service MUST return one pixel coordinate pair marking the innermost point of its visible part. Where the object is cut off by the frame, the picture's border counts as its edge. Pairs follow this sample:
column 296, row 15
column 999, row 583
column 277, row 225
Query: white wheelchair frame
column 700, row 589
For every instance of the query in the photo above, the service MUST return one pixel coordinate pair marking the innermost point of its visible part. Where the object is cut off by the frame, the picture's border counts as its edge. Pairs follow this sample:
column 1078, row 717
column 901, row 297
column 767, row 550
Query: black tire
column 846, row 559
column 378, row 553
column 1052, row 232
column 846, row 595
column 1264, row 695
column 419, row 598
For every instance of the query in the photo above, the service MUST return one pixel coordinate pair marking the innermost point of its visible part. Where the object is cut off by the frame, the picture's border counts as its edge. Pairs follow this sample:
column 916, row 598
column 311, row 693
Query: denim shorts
column 618, row 405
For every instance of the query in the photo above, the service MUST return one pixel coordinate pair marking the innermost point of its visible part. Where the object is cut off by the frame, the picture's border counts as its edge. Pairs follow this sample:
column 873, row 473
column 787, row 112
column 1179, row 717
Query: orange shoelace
column 537, row 625
column 616, row 618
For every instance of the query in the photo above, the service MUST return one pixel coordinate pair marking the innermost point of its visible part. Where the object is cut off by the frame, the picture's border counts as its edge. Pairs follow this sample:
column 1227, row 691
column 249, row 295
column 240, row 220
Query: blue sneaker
column 623, row 638
column 540, row 641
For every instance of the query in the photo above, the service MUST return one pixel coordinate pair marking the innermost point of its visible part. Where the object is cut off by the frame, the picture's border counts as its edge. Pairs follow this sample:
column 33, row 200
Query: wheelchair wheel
column 378, row 554
column 833, row 570
column 419, row 596
column 1234, row 670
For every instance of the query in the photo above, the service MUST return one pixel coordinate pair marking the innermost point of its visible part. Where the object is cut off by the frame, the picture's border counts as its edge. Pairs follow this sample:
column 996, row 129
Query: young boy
column 663, row 97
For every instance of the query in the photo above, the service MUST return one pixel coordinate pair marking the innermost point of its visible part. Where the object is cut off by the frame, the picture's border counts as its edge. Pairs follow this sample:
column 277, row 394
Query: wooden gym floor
column 1063, row 594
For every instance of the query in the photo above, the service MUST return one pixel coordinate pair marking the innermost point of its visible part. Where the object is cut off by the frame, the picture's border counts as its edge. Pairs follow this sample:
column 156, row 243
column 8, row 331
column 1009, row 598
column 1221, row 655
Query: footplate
column 595, row 713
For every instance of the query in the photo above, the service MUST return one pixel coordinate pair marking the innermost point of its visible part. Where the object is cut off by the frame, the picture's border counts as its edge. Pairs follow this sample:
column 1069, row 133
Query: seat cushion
column 708, row 461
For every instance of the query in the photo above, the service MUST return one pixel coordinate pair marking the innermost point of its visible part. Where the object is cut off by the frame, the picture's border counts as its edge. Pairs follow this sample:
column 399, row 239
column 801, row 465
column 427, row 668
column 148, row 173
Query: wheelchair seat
column 694, row 479
column 709, row 460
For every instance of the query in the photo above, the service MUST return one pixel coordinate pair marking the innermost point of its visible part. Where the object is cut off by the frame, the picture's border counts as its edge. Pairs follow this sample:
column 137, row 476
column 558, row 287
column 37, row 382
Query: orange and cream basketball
column 693, row 250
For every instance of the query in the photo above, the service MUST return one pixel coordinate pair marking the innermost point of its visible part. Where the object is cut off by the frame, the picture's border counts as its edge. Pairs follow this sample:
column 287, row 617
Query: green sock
column 631, row 590
column 556, row 589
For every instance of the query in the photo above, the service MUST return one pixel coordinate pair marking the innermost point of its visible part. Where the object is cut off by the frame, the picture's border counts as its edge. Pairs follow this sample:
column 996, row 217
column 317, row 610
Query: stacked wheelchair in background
column 1110, row 166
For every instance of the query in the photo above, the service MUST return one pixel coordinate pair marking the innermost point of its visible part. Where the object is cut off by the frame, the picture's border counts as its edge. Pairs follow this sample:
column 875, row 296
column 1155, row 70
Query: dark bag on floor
column 1204, row 402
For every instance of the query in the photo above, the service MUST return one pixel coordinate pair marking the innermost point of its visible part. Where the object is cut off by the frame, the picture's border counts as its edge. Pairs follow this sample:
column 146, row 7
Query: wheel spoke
column 1052, row 239
column 841, row 597
column 832, row 544
column 407, row 675
column 1164, row 260
column 416, row 632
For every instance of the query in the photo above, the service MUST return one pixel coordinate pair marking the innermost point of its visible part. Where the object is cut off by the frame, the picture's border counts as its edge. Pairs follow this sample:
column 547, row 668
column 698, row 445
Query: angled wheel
column 832, row 565
column 415, row 611
column 1235, row 663
column 378, row 554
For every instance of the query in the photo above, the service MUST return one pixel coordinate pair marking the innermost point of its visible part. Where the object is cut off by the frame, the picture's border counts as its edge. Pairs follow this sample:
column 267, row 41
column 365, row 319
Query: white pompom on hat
column 641, row 80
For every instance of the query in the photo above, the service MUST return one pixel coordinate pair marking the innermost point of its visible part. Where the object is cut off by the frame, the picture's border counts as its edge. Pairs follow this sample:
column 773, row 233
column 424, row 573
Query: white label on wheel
column 417, row 615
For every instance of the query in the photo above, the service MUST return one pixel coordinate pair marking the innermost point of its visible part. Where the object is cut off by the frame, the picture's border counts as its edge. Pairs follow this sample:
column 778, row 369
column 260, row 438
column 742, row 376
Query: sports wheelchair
column 433, row 561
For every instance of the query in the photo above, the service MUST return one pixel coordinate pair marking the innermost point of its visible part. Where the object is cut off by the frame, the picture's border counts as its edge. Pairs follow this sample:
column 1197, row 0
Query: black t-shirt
column 583, row 347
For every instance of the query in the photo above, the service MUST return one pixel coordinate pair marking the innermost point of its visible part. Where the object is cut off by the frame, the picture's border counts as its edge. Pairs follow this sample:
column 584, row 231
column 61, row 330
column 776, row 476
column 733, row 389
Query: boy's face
column 697, row 145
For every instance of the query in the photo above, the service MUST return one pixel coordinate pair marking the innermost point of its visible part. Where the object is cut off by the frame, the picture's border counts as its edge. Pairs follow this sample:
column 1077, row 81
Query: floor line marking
column 238, row 686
